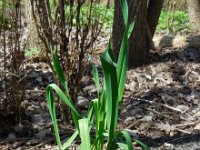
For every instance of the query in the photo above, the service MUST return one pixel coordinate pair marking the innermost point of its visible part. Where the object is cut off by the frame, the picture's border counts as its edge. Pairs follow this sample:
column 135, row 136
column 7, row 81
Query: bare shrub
column 70, row 28
column 12, row 55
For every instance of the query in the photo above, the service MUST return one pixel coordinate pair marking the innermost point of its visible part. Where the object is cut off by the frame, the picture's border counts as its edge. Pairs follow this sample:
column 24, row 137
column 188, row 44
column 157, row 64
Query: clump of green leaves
column 105, row 15
column 8, row 4
column 5, row 19
column 103, row 111
column 176, row 21
column 33, row 52
column 100, row 11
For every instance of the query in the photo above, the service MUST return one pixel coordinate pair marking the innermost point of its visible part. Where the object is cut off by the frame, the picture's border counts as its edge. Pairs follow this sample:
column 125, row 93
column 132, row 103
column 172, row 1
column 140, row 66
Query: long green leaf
column 58, row 68
column 70, row 140
column 108, row 67
column 125, row 11
column 91, row 109
column 128, row 141
column 51, row 106
column 84, row 134
column 110, row 51
column 111, row 92
column 122, row 77
column 123, row 146
column 65, row 100
column 144, row 146
column 131, row 27
column 96, row 78
column 122, row 63
column 59, row 72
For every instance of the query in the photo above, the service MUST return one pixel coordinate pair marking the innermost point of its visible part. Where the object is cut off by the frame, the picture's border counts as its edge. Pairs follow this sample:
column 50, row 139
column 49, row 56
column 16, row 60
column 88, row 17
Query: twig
column 156, row 112
column 45, row 142
column 41, row 144
column 10, row 73
column 164, row 105
column 183, row 131
column 186, row 124
column 133, row 124
column 14, row 140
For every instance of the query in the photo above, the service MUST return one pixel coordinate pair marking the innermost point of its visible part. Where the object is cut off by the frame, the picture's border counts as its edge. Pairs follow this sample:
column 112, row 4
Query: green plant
column 180, row 21
column 5, row 18
column 104, row 14
column 99, row 11
column 8, row 4
column 103, row 112
column 32, row 52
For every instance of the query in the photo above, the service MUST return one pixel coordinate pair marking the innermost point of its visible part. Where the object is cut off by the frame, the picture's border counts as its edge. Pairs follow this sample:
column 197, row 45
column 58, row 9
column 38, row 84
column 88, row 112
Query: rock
column 132, row 86
column 184, row 108
column 39, row 79
column 42, row 134
column 37, row 118
column 83, row 102
column 19, row 128
column 133, row 133
column 11, row 137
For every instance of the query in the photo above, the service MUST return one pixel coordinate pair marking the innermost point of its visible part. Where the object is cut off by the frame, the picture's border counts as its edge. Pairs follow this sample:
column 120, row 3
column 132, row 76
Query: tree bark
column 194, row 14
column 141, row 38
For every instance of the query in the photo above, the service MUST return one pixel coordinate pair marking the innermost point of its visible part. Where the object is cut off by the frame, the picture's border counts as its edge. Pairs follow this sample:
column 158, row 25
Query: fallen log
column 177, row 41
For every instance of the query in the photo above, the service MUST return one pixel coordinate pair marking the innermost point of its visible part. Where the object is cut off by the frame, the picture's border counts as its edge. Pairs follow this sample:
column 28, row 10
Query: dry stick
column 186, row 124
column 164, row 105
column 133, row 124
column 41, row 144
column 13, row 74
column 2, row 141
column 172, row 108
column 158, row 113
column 10, row 73
column 175, row 126
column 183, row 131
column 138, row 121
column 45, row 142
column 51, row 139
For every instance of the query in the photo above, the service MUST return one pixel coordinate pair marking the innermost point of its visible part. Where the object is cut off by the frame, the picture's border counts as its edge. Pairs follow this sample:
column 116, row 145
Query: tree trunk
column 194, row 14
column 141, row 39
column 178, row 41
column 153, row 14
column 33, row 37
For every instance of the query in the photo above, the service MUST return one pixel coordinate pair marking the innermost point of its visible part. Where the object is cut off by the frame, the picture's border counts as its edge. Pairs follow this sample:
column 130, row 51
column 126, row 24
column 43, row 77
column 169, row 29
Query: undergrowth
column 173, row 22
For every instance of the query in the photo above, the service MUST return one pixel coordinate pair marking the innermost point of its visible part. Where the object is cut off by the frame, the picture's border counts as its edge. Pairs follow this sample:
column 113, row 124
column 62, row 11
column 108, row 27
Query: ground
column 160, row 105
